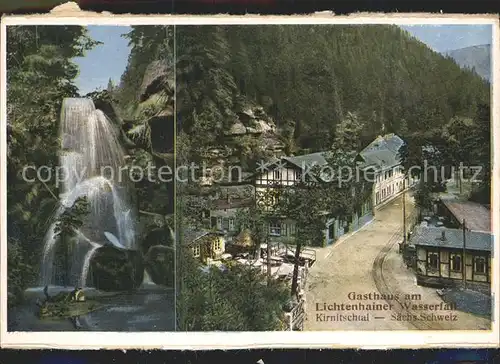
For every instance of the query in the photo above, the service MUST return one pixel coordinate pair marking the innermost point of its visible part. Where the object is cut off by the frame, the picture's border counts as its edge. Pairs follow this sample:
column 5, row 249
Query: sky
column 444, row 38
column 110, row 59
column 105, row 61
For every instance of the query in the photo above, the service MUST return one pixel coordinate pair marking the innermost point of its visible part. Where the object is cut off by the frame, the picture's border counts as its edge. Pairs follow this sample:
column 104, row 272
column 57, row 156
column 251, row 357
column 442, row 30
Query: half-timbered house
column 291, row 171
column 449, row 257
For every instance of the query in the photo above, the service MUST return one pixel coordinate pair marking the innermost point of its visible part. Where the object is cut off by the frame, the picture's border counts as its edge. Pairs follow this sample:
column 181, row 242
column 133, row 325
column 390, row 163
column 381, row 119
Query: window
column 455, row 262
column 284, row 229
column 275, row 228
column 291, row 229
column 196, row 250
column 219, row 223
column 231, row 224
column 217, row 245
column 432, row 260
column 277, row 174
column 480, row 265
column 225, row 224
column 331, row 231
column 297, row 174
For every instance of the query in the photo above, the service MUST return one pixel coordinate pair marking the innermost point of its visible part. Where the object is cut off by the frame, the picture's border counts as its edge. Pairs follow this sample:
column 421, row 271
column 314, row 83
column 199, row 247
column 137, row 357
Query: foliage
column 40, row 74
column 148, row 43
column 205, row 89
column 237, row 299
column 255, row 220
column 386, row 77
column 460, row 142
column 423, row 199
column 19, row 273
column 72, row 218
column 348, row 133
column 65, row 231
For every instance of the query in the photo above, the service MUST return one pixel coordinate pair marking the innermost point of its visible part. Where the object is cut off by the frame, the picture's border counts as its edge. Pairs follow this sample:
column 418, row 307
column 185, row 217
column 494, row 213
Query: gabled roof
column 191, row 235
column 432, row 237
column 383, row 151
column 308, row 160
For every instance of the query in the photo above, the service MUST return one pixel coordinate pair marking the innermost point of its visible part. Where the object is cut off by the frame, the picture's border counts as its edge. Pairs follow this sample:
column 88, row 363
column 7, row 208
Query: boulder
column 252, row 131
column 154, row 237
column 236, row 129
column 159, row 262
column 113, row 269
column 264, row 126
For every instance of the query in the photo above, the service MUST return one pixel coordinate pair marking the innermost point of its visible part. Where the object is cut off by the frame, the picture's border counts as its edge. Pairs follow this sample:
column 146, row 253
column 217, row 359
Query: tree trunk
column 296, row 269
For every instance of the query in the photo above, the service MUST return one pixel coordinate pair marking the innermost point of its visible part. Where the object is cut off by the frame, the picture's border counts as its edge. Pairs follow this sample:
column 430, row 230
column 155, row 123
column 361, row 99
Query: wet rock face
column 157, row 76
column 116, row 270
column 159, row 262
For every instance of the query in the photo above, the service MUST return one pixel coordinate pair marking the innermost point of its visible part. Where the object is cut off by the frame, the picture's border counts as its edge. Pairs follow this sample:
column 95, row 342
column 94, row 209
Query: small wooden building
column 204, row 244
column 440, row 253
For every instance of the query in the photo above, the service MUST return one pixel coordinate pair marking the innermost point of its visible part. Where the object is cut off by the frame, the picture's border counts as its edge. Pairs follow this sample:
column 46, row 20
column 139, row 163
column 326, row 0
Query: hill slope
column 311, row 77
column 475, row 57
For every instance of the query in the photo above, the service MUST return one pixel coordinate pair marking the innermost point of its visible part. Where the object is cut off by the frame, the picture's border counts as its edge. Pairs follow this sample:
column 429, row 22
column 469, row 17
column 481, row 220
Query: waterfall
column 86, row 266
column 92, row 164
column 147, row 281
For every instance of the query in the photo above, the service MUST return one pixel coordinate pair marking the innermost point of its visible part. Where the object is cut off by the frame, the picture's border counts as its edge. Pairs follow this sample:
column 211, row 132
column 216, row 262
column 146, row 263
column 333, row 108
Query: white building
column 383, row 156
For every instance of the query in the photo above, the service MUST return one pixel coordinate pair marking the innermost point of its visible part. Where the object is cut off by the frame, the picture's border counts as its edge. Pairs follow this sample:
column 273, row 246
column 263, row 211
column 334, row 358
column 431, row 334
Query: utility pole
column 268, row 256
column 404, row 212
column 460, row 177
column 463, row 258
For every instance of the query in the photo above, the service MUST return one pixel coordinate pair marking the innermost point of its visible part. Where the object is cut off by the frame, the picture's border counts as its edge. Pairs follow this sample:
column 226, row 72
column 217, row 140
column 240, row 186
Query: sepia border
column 243, row 340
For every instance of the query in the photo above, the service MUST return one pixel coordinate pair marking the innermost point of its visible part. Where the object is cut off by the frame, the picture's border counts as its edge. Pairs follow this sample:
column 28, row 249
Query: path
column 368, row 264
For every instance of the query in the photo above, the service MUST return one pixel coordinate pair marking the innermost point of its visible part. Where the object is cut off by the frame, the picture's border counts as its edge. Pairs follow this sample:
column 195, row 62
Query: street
column 361, row 283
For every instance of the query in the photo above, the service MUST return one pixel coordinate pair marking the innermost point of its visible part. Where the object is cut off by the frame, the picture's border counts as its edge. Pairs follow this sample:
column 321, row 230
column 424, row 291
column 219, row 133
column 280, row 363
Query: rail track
column 383, row 288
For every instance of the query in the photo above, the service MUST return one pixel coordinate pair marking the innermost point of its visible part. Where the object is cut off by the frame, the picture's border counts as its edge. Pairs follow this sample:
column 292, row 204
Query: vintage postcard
column 236, row 182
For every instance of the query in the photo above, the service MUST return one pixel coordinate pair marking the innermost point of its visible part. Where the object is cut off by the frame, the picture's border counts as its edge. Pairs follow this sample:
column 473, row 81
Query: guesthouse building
column 290, row 171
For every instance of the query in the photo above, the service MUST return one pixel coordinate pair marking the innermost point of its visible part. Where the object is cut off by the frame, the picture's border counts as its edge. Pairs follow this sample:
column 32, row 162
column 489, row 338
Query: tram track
column 384, row 289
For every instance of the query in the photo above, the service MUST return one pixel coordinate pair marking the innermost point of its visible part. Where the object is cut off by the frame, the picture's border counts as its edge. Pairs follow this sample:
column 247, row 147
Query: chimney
column 443, row 235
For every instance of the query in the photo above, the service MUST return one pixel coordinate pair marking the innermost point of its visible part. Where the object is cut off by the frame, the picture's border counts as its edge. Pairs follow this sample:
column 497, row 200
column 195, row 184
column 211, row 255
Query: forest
column 323, row 87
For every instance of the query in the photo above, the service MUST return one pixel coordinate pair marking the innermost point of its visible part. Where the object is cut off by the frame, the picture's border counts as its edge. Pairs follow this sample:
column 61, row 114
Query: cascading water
column 92, row 161
column 146, row 280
